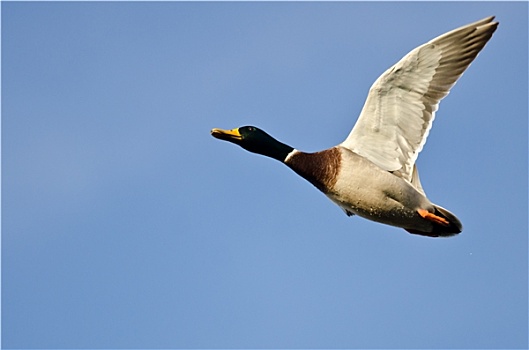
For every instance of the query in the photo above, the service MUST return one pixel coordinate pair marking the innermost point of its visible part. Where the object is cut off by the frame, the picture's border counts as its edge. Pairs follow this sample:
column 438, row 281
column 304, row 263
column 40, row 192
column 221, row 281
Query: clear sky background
column 125, row 224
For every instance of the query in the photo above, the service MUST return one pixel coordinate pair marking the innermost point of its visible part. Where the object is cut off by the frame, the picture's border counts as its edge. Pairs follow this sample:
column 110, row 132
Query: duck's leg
column 432, row 217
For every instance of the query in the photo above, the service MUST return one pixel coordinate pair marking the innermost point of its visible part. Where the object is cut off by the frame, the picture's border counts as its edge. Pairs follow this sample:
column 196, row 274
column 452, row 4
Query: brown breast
column 320, row 169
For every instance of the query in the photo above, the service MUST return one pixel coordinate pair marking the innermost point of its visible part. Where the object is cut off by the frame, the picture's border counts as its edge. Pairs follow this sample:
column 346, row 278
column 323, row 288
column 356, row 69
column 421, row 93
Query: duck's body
column 372, row 173
column 371, row 193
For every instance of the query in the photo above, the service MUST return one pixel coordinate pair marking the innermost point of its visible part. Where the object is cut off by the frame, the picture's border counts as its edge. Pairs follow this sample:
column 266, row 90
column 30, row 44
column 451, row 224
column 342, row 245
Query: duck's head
column 254, row 140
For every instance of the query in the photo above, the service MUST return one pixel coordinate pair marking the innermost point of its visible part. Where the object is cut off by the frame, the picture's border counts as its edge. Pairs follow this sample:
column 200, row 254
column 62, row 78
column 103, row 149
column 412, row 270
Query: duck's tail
column 454, row 225
column 445, row 224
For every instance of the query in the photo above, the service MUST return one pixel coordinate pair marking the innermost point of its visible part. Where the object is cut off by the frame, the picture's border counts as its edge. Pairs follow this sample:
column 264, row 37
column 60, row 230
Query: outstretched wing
column 401, row 104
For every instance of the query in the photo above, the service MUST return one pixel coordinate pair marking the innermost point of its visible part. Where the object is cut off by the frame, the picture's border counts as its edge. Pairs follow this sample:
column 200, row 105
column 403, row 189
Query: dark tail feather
column 454, row 225
column 453, row 228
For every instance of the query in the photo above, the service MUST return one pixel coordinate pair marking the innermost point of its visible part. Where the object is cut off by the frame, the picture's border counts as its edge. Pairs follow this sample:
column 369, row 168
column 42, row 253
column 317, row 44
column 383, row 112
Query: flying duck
column 372, row 173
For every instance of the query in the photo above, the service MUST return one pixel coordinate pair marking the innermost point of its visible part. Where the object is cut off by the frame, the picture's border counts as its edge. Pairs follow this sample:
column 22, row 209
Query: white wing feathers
column 401, row 104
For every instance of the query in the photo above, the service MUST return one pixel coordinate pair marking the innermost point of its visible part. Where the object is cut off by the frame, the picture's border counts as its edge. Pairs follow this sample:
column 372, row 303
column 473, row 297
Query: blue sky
column 125, row 224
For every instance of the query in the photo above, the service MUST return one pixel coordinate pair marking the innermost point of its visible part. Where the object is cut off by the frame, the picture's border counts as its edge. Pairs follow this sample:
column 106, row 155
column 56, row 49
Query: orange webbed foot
column 432, row 217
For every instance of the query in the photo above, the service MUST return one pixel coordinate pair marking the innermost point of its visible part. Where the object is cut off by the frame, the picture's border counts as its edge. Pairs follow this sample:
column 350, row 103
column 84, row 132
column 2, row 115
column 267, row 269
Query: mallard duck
column 372, row 173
